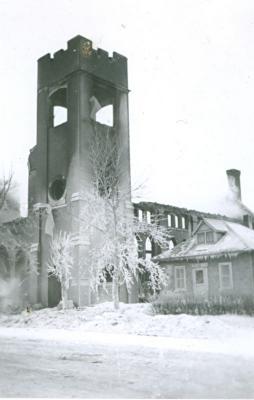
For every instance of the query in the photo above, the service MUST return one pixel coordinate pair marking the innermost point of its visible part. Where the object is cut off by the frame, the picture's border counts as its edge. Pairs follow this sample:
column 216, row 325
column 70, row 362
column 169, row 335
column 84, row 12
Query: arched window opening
column 176, row 221
column 171, row 244
column 108, row 273
column 148, row 249
column 60, row 115
column 59, row 107
column 140, row 215
column 105, row 115
column 170, row 220
column 102, row 114
column 148, row 217
column 183, row 222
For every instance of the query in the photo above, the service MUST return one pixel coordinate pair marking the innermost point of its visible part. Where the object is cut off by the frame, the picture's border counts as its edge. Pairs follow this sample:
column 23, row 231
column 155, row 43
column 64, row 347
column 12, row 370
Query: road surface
column 34, row 366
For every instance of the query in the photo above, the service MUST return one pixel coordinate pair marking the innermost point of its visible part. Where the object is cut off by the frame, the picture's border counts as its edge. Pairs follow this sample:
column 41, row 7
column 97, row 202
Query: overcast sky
column 191, row 76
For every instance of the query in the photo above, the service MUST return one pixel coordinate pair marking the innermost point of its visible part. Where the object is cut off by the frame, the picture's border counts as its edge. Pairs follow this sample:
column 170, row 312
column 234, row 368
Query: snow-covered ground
column 132, row 353
column 224, row 333
column 136, row 319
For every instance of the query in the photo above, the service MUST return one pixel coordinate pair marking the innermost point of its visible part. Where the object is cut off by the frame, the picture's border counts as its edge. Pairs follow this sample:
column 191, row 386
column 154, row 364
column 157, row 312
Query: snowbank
column 135, row 319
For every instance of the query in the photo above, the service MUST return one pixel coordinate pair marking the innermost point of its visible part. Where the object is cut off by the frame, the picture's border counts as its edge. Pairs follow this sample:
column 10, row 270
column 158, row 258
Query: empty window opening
column 60, row 115
column 101, row 111
column 148, row 249
column 108, row 274
column 148, row 217
column 105, row 115
column 170, row 220
column 140, row 215
column 57, row 188
column 59, row 107
column 176, row 221
column 171, row 244
column 183, row 223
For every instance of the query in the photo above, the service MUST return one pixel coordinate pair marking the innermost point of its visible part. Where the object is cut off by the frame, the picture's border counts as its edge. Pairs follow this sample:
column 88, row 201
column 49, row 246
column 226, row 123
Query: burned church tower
column 77, row 87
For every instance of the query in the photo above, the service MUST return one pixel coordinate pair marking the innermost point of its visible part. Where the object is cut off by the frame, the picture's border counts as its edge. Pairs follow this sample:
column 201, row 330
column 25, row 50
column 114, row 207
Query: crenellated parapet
column 80, row 55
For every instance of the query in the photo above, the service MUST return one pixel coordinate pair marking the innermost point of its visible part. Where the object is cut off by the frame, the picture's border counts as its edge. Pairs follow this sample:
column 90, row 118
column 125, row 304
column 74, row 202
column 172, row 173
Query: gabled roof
column 216, row 225
column 235, row 238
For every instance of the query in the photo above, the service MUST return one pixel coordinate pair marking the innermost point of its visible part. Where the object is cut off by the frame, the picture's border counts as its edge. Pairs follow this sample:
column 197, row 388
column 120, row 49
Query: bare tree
column 6, row 184
column 110, row 226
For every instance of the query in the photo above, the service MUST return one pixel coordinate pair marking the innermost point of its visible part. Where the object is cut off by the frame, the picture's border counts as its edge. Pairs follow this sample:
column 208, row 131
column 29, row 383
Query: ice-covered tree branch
column 108, row 222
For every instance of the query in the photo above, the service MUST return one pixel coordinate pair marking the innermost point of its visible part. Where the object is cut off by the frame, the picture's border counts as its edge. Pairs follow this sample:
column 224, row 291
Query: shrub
column 173, row 303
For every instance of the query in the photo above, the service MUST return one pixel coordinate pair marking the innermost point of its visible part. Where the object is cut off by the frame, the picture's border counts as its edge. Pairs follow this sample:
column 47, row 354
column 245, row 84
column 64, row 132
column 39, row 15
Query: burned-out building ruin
column 83, row 92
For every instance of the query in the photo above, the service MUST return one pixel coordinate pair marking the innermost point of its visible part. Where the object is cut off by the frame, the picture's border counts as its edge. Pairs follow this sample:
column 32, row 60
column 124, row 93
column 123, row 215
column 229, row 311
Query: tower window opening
column 57, row 188
column 105, row 115
column 59, row 107
column 60, row 115
column 102, row 110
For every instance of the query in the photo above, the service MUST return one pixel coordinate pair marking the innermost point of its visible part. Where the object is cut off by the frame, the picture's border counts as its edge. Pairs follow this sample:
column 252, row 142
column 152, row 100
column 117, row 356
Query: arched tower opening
column 58, row 104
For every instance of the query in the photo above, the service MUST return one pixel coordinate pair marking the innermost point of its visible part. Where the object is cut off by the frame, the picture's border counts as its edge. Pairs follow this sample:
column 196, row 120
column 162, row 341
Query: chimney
column 234, row 183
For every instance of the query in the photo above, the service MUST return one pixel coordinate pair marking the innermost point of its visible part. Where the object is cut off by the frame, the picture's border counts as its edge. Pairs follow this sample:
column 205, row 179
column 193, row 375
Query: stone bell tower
column 75, row 88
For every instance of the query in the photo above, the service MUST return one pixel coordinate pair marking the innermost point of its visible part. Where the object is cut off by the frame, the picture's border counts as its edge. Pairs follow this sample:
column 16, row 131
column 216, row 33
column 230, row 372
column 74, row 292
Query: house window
column 199, row 275
column 148, row 249
column 225, row 275
column 140, row 215
column 176, row 221
column 170, row 220
column 148, row 217
column 201, row 238
column 180, row 279
column 205, row 237
column 209, row 237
